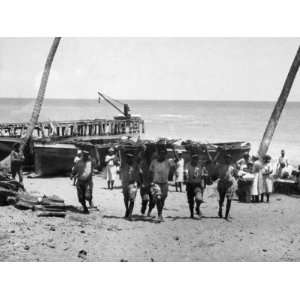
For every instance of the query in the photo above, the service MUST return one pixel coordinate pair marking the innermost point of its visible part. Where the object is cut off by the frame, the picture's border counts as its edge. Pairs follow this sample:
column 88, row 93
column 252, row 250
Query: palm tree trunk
column 41, row 93
column 274, row 119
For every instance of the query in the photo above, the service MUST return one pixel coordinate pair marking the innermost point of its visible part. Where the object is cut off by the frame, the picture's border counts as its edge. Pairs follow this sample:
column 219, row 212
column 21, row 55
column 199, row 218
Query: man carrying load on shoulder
column 227, row 185
column 147, row 199
column 83, row 171
column 159, row 170
column 130, row 177
column 196, row 175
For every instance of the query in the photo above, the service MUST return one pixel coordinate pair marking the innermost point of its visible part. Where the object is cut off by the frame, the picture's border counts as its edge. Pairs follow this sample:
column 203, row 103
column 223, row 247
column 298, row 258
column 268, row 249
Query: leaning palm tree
column 5, row 163
column 41, row 93
column 274, row 119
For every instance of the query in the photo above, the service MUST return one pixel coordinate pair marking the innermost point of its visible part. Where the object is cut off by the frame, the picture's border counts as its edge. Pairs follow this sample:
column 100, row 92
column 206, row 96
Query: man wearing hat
column 130, row 177
column 83, row 170
column 227, row 185
column 196, row 174
column 160, row 169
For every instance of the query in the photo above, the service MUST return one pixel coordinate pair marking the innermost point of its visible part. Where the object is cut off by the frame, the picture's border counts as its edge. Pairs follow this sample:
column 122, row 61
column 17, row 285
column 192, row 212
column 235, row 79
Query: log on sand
column 52, row 214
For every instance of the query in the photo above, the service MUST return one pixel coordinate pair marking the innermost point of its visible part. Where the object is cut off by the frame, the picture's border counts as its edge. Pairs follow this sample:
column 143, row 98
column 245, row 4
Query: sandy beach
column 257, row 232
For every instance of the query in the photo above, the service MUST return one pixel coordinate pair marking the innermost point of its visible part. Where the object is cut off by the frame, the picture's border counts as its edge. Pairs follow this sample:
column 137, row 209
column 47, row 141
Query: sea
column 205, row 121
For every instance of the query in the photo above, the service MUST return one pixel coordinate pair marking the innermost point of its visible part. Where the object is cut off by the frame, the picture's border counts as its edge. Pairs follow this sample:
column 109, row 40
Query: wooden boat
column 54, row 144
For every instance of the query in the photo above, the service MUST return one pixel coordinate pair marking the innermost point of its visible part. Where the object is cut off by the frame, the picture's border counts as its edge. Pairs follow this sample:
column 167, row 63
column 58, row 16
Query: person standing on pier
column 130, row 177
column 111, row 168
column 196, row 174
column 160, row 169
column 16, row 159
column 227, row 185
column 83, row 170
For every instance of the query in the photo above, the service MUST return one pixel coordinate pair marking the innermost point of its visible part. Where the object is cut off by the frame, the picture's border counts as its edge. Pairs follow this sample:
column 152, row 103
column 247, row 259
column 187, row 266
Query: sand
column 257, row 232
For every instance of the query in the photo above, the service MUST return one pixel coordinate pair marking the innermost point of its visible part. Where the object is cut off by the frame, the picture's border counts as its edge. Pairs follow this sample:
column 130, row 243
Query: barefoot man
column 83, row 170
column 195, row 183
column 226, row 185
column 145, row 192
column 130, row 177
column 160, row 169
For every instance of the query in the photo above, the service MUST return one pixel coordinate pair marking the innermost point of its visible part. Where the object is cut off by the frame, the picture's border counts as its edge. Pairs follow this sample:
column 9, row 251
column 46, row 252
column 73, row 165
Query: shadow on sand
column 188, row 218
column 135, row 218
column 79, row 210
column 152, row 219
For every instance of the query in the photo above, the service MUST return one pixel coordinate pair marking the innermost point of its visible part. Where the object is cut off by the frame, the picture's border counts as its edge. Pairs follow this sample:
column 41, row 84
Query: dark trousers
column 159, row 201
column 128, row 201
column 222, row 195
column 147, row 199
column 16, row 169
column 84, row 191
column 191, row 193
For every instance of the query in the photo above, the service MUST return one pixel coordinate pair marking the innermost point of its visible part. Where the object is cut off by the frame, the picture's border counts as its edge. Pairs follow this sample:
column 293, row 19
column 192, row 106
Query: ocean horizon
column 201, row 120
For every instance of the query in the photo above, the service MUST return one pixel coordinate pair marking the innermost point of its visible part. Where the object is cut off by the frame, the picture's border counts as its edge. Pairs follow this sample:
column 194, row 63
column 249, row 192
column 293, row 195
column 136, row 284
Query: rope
column 112, row 99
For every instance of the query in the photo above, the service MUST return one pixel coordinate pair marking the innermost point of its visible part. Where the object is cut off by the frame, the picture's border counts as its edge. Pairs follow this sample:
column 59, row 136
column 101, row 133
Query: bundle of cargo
column 145, row 149
column 217, row 152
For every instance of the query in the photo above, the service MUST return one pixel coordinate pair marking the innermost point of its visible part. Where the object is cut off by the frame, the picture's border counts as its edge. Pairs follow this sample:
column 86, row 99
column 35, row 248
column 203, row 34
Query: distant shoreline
column 145, row 100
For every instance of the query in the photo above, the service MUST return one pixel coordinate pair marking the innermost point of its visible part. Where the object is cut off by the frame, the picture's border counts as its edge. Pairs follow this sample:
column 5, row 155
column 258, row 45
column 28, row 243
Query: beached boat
column 53, row 145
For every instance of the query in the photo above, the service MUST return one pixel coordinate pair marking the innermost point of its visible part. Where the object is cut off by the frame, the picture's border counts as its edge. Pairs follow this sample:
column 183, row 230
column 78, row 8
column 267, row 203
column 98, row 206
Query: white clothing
column 267, row 179
column 111, row 168
column 179, row 170
column 257, row 184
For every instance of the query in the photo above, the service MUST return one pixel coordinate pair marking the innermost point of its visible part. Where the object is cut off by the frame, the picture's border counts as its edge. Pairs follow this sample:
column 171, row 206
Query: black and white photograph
column 120, row 149
column 149, row 149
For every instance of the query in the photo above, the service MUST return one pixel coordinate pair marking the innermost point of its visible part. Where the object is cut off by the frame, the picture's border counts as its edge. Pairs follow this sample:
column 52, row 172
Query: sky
column 239, row 69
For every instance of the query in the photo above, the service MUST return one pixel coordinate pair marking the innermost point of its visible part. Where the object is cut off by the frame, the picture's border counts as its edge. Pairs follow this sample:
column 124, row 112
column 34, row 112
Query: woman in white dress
column 267, row 178
column 111, row 168
column 179, row 172
column 257, row 184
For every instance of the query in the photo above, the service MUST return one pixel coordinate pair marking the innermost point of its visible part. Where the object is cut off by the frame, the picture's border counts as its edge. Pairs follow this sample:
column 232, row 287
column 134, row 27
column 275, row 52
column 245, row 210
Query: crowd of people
column 260, row 174
column 151, row 178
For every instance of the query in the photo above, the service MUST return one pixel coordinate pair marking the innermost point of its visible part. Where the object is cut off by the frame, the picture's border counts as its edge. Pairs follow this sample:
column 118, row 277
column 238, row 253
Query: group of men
column 152, row 178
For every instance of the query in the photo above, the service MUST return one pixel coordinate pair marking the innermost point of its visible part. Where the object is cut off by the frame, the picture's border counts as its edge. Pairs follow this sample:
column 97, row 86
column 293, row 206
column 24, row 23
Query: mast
column 274, row 119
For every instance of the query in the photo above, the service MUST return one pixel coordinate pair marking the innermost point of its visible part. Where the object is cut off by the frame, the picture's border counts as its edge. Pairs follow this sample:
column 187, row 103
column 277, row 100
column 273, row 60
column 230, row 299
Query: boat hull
column 53, row 159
